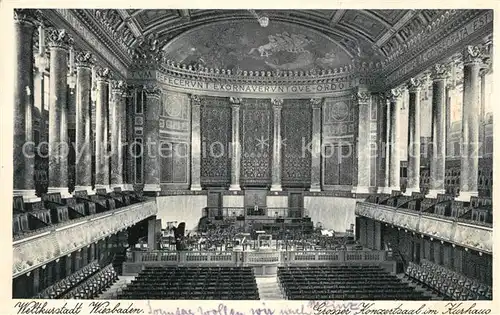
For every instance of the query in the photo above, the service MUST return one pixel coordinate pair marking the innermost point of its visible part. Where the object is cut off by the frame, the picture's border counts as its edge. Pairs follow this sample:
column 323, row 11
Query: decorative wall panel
column 256, row 122
column 296, row 125
column 339, row 121
column 175, row 133
column 216, row 139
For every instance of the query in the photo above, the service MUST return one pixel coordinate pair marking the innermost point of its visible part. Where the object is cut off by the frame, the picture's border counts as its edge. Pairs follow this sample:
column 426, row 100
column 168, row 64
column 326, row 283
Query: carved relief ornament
column 472, row 54
column 440, row 71
column 414, row 84
column 235, row 100
column 195, row 100
column 316, row 102
column 118, row 87
column 152, row 90
column 277, row 102
column 362, row 96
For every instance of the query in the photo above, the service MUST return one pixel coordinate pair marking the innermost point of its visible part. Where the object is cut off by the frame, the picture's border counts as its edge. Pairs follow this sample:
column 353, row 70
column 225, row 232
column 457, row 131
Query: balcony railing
column 449, row 229
column 62, row 239
column 273, row 212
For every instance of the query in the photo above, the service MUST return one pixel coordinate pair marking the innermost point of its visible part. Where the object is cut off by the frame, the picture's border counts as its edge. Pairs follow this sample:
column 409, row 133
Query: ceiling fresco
column 244, row 45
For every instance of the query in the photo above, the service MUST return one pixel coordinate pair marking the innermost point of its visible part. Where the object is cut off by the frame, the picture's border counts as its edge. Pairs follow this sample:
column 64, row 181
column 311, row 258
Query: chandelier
column 262, row 19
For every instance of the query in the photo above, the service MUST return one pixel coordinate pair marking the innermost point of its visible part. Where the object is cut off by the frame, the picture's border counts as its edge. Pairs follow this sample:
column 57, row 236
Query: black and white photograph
column 326, row 154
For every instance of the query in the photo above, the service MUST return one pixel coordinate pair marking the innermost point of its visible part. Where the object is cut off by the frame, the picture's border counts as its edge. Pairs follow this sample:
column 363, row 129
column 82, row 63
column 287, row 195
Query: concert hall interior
column 253, row 154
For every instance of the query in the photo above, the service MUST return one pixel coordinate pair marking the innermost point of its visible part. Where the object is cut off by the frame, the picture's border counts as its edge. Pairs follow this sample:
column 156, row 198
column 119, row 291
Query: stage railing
column 274, row 212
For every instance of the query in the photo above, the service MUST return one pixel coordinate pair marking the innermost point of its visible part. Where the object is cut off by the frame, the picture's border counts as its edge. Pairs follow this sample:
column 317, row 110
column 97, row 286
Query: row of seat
column 29, row 218
column 344, row 283
column 198, row 283
column 57, row 290
column 95, row 285
column 447, row 282
column 479, row 209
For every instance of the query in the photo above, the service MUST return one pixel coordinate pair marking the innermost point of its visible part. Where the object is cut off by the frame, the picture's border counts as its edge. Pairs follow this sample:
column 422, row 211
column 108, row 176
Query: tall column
column 413, row 178
column 439, row 75
column 276, row 166
column 83, row 172
column 469, row 158
column 316, row 145
column 152, row 233
column 151, row 138
column 395, row 103
column 362, row 101
column 59, row 43
column 23, row 157
column 482, row 117
column 235, row 144
column 103, row 76
column 383, row 149
column 195, row 142
column 117, row 125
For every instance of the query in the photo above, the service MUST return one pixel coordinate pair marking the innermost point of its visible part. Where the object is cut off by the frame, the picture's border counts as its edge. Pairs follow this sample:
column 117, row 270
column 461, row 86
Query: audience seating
column 95, row 285
column 446, row 282
column 61, row 288
column 193, row 283
column 343, row 283
column 53, row 209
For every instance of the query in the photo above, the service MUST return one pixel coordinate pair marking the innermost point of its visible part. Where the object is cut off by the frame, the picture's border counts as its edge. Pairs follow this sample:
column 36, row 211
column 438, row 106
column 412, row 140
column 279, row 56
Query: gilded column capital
column 27, row 16
column 103, row 74
column 316, row 102
column 394, row 94
column 152, row 90
column 472, row 54
column 361, row 96
column 59, row 38
column 195, row 100
column 415, row 84
column 84, row 59
column 440, row 72
column 118, row 87
column 277, row 103
column 235, row 100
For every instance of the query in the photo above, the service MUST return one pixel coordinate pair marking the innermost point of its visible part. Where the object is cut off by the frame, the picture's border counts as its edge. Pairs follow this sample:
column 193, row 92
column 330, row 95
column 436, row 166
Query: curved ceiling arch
column 245, row 45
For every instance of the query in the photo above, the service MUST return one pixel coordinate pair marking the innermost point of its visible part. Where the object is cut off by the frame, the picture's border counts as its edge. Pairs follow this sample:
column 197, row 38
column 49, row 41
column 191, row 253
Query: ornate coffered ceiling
column 369, row 34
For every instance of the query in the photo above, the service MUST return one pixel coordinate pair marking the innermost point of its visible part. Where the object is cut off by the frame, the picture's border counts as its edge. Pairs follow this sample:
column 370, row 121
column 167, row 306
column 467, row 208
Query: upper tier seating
column 478, row 210
column 188, row 283
column 33, row 217
column 447, row 282
column 343, row 283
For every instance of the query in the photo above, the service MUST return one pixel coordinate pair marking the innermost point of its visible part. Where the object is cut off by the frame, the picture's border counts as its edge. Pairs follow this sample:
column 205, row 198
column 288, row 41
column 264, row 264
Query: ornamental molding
column 446, row 229
column 65, row 238
column 87, row 38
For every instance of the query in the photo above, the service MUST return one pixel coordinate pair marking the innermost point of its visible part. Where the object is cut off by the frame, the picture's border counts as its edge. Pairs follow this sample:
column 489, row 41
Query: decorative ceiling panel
column 363, row 23
column 146, row 18
column 389, row 16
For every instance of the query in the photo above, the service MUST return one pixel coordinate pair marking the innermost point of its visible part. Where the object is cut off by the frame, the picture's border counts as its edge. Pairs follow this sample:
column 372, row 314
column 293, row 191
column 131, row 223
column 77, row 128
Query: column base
column 86, row 188
column 315, row 188
column 465, row 196
column 62, row 190
column 28, row 195
column 121, row 186
column 234, row 187
column 98, row 186
column 361, row 190
column 276, row 187
column 384, row 190
column 128, row 187
column 410, row 191
column 196, row 187
column 434, row 192
column 152, row 187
